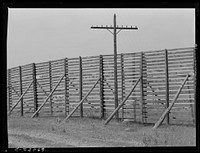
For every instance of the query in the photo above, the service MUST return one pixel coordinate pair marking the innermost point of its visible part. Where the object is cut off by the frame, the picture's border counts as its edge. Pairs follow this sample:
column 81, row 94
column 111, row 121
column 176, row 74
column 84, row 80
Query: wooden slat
column 43, row 67
column 181, row 58
column 180, row 50
column 91, row 62
column 182, row 62
column 153, row 52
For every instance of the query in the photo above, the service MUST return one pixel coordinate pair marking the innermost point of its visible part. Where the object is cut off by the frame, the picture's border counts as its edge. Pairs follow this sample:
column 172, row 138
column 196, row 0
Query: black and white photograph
column 101, row 77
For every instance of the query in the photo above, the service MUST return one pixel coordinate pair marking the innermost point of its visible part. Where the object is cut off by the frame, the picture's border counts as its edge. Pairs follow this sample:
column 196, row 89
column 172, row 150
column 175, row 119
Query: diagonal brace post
column 81, row 101
column 157, row 124
column 42, row 89
column 109, row 86
column 48, row 97
column 18, row 95
column 119, row 106
column 20, row 98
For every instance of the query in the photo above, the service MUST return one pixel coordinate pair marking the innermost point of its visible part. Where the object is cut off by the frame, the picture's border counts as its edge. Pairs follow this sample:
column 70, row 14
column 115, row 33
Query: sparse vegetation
column 52, row 128
column 155, row 139
column 92, row 132
column 170, row 136
column 64, row 130
column 58, row 120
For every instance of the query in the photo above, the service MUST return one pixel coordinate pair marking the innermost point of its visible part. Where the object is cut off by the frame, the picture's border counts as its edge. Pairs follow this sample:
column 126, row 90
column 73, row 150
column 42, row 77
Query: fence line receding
column 161, row 73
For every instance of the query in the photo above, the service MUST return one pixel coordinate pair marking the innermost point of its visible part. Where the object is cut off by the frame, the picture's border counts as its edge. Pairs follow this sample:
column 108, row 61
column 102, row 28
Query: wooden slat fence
column 162, row 73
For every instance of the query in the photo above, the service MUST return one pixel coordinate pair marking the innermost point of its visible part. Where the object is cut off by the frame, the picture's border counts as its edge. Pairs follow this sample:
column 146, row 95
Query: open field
column 90, row 132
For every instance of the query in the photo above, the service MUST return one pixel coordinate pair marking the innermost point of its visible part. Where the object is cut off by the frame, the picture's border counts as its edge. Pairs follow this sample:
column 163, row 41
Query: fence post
column 144, row 79
column 66, row 87
column 166, row 85
column 9, row 90
column 80, row 85
column 101, row 87
column 134, row 102
column 122, row 82
column 141, row 87
column 20, row 88
column 194, row 106
column 35, row 88
column 50, row 89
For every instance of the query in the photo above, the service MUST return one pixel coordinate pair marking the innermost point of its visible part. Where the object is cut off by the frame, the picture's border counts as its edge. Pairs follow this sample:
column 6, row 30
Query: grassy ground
column 77, row 132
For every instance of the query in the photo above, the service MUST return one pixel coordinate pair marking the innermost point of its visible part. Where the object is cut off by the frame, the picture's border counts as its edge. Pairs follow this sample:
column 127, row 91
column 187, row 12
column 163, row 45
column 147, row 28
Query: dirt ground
column 48, row 132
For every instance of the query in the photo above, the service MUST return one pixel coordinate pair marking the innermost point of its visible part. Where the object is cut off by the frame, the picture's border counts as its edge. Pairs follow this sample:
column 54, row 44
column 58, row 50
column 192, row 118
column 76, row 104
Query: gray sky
column 39, row 35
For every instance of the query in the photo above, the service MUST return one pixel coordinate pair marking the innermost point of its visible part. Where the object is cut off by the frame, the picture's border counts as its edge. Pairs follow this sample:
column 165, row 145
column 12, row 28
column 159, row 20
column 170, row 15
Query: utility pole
column 115, row 32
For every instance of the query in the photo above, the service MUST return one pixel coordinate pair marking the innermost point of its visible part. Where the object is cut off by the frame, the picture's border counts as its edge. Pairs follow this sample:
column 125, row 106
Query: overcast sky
column 39, row 35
